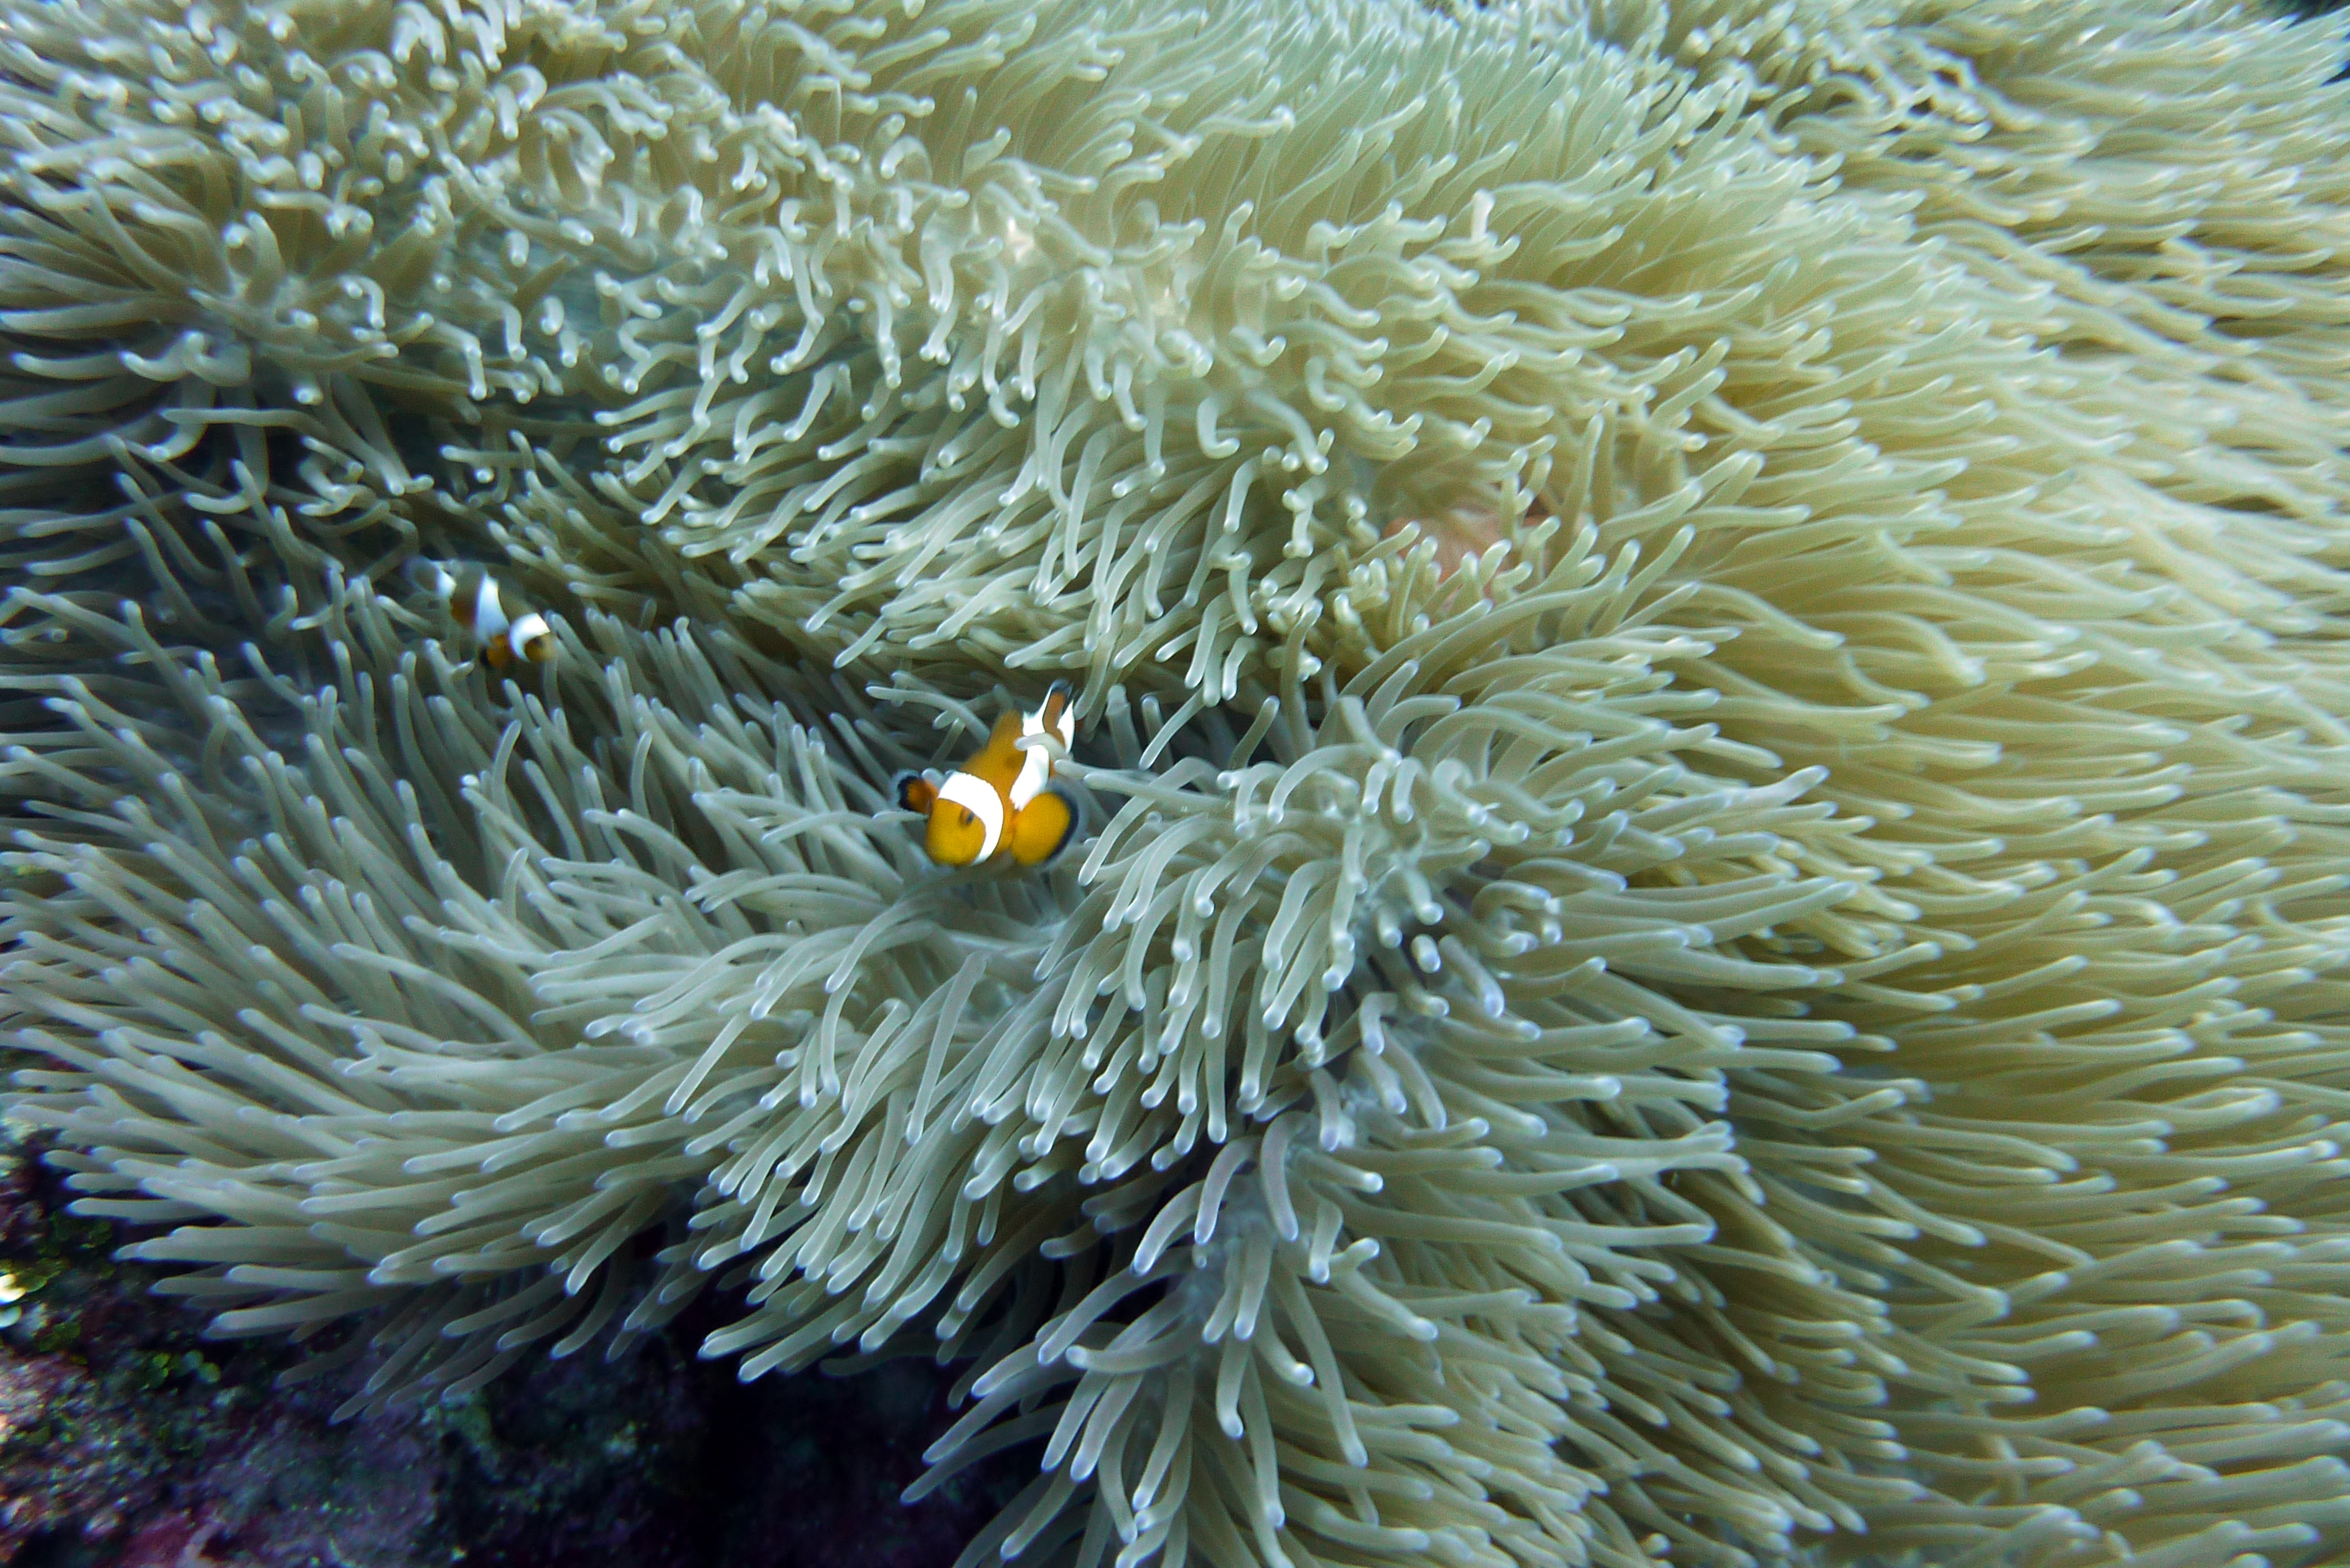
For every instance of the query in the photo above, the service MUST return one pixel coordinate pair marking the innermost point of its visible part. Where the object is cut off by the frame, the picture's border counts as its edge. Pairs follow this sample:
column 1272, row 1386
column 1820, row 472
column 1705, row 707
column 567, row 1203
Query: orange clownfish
column 471, row 594
column 997, row 801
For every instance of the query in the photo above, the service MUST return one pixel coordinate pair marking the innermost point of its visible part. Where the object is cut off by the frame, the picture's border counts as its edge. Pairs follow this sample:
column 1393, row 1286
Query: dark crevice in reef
column 129, row 1440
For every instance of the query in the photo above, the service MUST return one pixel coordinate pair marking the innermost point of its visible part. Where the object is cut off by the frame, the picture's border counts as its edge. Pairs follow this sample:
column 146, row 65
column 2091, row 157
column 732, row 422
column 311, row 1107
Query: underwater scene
column 1174, row 784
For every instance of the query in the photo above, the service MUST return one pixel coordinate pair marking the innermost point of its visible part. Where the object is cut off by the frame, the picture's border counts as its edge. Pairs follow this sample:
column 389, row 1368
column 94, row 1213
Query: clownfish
column 997, row 801
column 470, row 592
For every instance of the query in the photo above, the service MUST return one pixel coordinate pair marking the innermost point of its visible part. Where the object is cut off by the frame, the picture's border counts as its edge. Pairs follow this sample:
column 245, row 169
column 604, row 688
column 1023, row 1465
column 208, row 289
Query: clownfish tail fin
column 1045, row 827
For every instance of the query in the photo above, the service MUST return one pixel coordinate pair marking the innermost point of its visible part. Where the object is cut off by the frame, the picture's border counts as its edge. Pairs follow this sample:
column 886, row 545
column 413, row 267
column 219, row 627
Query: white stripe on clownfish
column 1036, row 765
column 979, row 798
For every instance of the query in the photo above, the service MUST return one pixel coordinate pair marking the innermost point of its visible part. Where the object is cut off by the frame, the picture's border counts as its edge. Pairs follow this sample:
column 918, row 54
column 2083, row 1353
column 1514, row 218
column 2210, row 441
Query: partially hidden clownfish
column 472, row 595
column 997, row 803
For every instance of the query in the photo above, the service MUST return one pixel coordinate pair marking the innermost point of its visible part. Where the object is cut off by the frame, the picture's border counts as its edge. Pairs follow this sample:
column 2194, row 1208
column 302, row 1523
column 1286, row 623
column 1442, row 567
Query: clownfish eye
column 967, row 818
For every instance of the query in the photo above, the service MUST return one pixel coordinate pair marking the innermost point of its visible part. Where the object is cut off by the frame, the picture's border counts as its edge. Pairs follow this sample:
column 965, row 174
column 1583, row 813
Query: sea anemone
column 1711, row 658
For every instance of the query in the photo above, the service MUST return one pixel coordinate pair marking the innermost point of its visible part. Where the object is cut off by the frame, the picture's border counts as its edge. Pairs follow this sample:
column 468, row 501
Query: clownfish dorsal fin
column 1051, row 724
column 427, row 575
column 1057, row 713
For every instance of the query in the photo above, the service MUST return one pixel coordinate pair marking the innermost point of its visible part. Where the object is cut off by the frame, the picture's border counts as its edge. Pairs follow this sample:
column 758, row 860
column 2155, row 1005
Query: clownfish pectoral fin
column 914, row 793
column 1043, row 828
